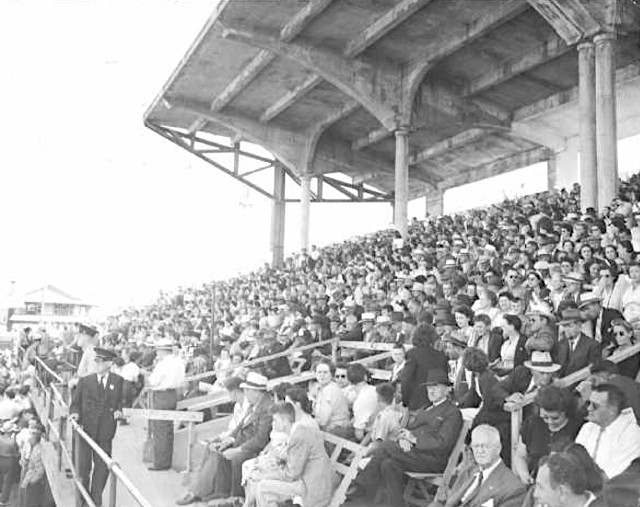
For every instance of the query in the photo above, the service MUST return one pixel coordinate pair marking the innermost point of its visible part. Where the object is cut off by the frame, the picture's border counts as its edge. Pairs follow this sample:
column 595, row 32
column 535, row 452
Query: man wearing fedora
column 597, row 319
column 575, row 350
column 247, row 439
column 424, row 446
column 97, row 405
column 167, row 377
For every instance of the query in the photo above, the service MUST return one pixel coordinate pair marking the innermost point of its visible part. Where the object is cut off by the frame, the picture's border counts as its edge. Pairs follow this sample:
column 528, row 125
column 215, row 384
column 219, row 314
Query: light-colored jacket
column 307, row 460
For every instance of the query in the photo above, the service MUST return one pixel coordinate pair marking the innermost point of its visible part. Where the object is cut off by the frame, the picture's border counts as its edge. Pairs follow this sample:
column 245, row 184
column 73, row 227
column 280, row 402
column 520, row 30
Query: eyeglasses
column 339, row 375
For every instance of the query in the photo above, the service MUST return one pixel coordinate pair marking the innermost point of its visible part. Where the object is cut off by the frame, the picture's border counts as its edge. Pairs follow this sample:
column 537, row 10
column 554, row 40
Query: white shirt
column 365, row 407
column 130, row 371
column 614, row 447
column 168, row 373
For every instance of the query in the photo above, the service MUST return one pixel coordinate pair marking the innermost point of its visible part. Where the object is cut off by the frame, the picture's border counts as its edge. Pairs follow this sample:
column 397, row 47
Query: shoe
column 214, row 496
column 187, row 499
column 157, row 469
column 234, row 501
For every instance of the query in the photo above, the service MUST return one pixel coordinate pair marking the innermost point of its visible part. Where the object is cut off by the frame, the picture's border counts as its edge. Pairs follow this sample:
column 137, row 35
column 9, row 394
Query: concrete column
column 434, row 203
column 402, row 181
column 277, row 217
column 305, row 208
column 552, row 173
column 607, row 139
column 587, row 106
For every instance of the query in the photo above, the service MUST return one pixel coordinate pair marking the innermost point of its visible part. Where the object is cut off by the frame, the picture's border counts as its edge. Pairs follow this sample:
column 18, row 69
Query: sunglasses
column 340, row 376
column 620, row 333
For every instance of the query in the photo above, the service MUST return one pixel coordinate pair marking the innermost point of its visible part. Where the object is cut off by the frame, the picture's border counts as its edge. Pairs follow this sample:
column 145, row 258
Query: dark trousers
column 33, row 495
column 162, row 431
column 387, row 466
column 229, row 473
column 127, row 394
column 93, row 472
column 10, row 472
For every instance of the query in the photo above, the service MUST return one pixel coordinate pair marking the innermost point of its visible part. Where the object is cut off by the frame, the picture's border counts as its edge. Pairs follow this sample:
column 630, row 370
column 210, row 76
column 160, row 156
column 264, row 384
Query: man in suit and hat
column 96, row 405
column 424, row 446
column 167, row 377
column 248, row 438
column 575, row 350
column 488, row 481
column 597, row 322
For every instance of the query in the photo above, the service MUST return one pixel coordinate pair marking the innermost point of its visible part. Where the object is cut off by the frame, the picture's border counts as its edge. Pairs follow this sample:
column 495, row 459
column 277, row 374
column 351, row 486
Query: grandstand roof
column 485, row 86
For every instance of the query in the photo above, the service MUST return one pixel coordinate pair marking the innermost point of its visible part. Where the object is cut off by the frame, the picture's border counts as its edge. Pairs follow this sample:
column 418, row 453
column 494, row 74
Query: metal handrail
column 116, row 472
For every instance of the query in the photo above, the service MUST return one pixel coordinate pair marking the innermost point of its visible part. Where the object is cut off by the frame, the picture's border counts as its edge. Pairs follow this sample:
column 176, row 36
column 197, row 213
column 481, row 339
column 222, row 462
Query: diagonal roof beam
column 383, row 25
column 370, row 35
column 302, row 18
column 372, row 137
column 569, row 18
column 248, row 74
column 376, row 86
column 550, row 49
column 466, row 137
column 289, row 98
column 289, row 32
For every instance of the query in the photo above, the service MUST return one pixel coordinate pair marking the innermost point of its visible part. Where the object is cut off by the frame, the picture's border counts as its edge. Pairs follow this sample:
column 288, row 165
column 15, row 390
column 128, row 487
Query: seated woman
column 552, row 430
column 512, row 351
column 331, row 408
column 623, row 337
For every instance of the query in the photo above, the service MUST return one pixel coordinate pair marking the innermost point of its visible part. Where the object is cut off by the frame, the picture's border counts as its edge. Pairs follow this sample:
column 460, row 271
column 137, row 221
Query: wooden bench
column 346, row 472
column 416, row 491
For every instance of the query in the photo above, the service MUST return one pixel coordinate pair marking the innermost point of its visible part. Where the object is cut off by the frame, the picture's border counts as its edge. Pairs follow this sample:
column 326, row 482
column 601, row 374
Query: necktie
column 474, row 488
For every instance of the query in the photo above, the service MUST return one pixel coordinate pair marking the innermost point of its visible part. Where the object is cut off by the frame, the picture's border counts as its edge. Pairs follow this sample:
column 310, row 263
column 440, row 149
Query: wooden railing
column 568, row 381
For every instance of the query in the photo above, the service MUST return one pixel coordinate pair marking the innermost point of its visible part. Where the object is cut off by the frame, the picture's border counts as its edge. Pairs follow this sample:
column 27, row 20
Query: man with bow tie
column 489, row 482
column 97, row 406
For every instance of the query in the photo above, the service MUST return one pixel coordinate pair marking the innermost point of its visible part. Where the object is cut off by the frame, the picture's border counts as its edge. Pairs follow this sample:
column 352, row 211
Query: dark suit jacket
column 587, row 352
column 252, row 434
column 472, row 398
column 436, row 430
column 419, row 361
column 608, row 316
column 95, row 405
column 517, row 381
column 502, row 486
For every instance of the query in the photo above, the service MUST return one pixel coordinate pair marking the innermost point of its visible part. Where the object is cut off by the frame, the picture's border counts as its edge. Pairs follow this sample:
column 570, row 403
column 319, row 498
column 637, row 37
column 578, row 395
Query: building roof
column 52, row 295
column 483, row 86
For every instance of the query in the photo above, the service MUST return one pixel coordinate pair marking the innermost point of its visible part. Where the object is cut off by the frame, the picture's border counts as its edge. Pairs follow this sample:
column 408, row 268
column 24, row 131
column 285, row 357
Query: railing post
column 62, row 430
column 516, row 423
column 189, row 445
column 113, row 488
column 75, row 436
column 334, row 350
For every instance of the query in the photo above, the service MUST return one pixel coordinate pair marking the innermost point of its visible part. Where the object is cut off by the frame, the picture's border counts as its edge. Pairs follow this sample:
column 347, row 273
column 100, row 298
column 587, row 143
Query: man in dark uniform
column 97, row 406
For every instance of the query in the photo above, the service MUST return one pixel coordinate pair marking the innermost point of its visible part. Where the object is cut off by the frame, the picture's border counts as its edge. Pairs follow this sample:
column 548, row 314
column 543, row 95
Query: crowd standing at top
column 482, row 308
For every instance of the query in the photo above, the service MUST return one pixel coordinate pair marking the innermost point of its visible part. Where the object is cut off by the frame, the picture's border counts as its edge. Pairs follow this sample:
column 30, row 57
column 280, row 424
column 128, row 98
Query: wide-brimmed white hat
column 255, row 381
column 542, row 362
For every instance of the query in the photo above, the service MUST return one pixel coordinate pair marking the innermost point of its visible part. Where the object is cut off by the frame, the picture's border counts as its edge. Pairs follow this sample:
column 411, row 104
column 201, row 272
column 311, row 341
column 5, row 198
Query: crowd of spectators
column 481, row 309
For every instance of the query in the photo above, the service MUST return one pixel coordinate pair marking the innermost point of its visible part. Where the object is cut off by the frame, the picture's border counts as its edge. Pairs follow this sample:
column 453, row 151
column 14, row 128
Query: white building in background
column 47, row 306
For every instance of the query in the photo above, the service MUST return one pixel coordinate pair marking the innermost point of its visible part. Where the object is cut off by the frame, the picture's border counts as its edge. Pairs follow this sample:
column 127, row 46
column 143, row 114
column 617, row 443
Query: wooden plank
column 366, row 345
column 163, row 415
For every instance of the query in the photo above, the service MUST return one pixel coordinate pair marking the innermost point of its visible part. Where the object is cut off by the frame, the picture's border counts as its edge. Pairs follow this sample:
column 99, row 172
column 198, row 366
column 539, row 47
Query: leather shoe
column 156, row 469
column 187, row 499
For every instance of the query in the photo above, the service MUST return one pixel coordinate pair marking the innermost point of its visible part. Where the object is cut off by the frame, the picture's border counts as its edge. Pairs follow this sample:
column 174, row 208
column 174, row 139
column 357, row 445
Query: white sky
column 92, row 201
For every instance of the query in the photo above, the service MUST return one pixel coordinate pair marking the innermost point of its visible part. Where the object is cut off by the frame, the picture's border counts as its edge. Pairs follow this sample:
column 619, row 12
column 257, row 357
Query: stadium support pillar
column 587, row 104
column 607, row 140
column 305, row 209
column 434, row 203
column 401, row 203
column 277, row 216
